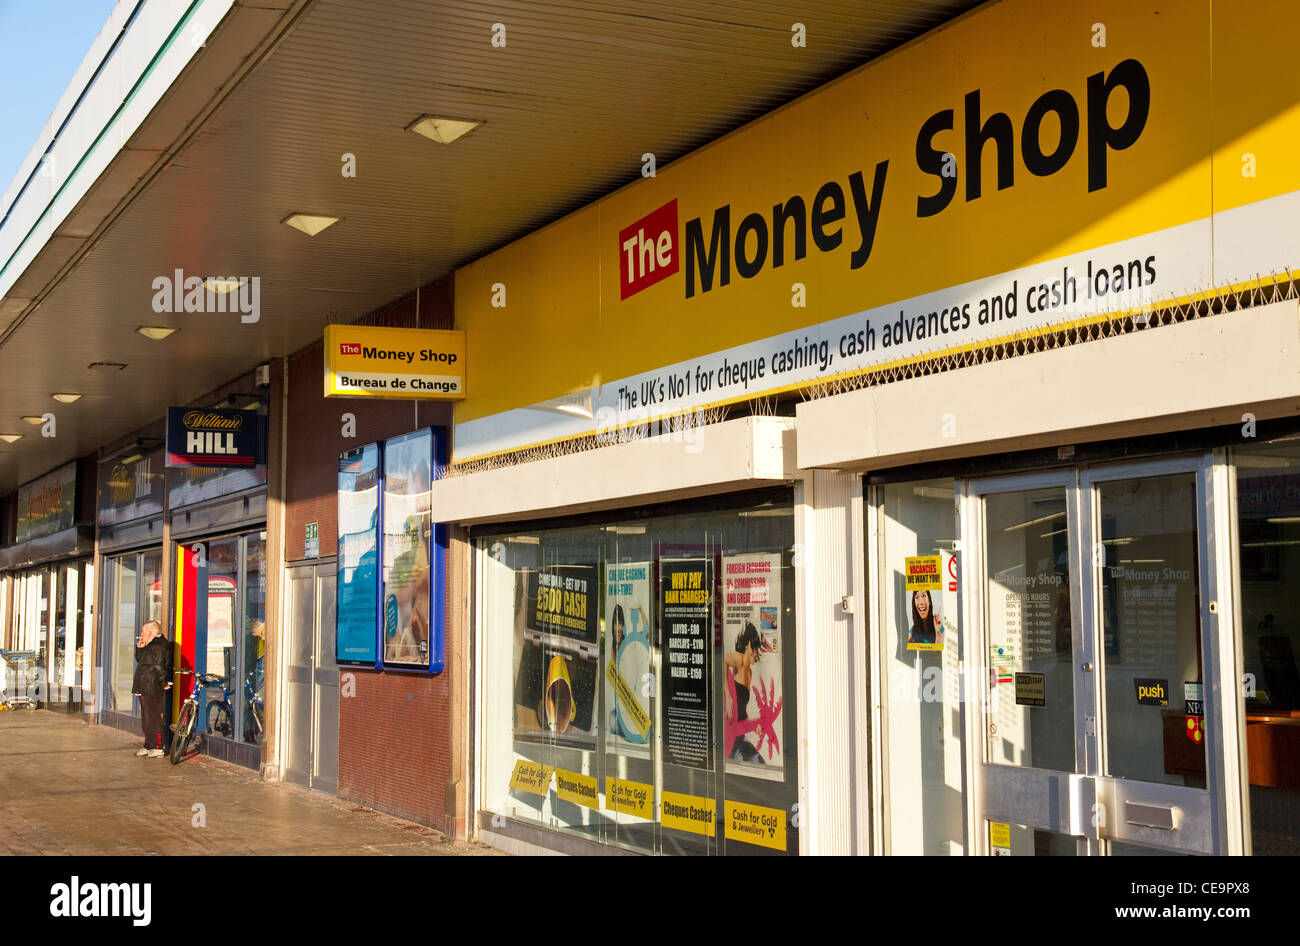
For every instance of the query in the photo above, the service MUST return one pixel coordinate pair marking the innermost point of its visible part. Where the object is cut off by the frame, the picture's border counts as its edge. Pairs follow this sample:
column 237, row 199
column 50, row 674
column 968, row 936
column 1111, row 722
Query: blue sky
column 42, row 42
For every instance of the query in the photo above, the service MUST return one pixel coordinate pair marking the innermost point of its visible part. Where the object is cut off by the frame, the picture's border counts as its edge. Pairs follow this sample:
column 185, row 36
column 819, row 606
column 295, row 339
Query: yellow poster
column 688, row 813
column 577, row 788
column 755, row 824
column 532, row 777
column 1000, row 838
column 923, row 580
column 630, row 798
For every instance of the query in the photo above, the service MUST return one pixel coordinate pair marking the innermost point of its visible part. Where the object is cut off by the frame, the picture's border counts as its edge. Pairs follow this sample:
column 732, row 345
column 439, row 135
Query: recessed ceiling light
column 154, row 332
column 10, row 438
column 34, row 419
column 310, row 224
column 442, row 130
column 66, row 398
column 223, row 286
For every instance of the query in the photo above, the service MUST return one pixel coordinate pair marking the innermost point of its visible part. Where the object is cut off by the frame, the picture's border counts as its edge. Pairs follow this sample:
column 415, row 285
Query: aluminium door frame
column 1059, row 800
column 1218, row 570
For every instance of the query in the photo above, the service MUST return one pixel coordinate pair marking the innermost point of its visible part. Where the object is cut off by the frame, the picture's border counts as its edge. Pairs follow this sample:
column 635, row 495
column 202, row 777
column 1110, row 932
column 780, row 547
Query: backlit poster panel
column 358, row 556
column 408, row 549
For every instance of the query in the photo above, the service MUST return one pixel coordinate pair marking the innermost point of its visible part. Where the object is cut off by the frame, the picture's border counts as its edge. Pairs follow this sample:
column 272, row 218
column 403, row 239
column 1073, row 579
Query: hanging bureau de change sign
column 406, row 363
column 215, row 437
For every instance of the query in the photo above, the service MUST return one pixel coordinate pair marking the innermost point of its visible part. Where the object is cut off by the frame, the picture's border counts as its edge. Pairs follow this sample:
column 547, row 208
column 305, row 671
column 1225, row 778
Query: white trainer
column 142, row 752
column 155, row 753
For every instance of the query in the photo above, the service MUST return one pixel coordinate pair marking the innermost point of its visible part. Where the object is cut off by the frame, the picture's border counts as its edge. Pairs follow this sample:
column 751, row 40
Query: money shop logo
column 1104, row 114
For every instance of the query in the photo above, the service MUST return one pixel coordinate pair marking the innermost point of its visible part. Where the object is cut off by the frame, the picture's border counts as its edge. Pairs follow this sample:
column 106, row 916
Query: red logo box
column 349, row 348
column 647, row 250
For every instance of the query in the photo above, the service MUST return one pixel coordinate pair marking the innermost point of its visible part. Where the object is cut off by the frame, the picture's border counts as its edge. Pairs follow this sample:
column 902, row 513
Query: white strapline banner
column 1149, row 270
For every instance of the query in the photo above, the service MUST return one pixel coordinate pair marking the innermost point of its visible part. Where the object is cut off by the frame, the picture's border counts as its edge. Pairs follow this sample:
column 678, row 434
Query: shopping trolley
column 17, row 678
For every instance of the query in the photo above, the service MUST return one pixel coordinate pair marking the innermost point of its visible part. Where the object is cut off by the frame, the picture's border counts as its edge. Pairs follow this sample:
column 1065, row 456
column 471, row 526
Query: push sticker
column 1151, row 692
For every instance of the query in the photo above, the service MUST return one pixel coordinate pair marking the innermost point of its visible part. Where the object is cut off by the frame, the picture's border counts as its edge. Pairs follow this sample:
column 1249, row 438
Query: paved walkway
column 70, row 788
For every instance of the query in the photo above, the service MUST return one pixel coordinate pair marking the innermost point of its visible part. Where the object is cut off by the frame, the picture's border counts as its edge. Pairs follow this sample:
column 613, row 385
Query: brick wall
column 394, row 746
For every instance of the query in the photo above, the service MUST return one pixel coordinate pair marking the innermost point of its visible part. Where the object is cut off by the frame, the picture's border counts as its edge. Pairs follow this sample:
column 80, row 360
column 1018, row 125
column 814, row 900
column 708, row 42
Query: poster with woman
column 407, row 550
column 628, row 711
column 925, row 579
column 753, row 698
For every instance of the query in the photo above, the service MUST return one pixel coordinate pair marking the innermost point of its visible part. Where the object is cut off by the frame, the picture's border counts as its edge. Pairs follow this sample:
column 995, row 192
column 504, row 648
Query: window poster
column 556, row 683
column 752, row 694
column 686, row 628
column 627, row 659
column 930, row 585
column 358, row 555
column 407, row 549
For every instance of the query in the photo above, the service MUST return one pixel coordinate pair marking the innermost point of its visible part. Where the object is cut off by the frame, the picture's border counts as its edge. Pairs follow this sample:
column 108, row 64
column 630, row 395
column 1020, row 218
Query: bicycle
column 217, row 713
column 220, row 715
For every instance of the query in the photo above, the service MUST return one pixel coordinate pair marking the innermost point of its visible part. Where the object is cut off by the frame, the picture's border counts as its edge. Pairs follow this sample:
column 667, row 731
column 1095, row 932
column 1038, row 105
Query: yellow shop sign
column 405, row 363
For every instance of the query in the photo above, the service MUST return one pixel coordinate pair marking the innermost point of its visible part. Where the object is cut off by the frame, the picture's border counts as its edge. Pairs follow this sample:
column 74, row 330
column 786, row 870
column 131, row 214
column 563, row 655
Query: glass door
column 1091, row 604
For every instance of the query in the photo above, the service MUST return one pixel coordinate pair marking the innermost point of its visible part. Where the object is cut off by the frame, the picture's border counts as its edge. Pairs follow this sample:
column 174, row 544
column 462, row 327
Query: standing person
column 153, row 678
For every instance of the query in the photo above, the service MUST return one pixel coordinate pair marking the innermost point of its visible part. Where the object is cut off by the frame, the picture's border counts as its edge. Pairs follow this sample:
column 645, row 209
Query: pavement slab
column 69, row 788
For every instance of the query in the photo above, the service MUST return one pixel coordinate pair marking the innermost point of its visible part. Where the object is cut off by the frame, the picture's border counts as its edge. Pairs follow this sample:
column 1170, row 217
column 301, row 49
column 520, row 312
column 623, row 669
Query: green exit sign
column 311, row 547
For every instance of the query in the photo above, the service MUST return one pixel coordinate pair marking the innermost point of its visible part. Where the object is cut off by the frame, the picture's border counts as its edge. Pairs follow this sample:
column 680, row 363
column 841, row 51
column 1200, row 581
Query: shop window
column 133, row 586
column 1268, row 509
column 123, row 572
column 916, row 620
column 224, row 632
column 640, row 678
column 253, row 656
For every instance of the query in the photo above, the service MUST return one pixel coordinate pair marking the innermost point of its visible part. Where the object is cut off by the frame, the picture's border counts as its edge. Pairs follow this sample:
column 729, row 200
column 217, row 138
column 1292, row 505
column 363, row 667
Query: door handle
column 1082, row 804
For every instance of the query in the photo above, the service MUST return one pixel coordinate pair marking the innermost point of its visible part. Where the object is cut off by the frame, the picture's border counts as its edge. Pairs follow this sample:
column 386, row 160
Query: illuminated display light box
column 391, row 555
column 403, row 363
column 357, row 575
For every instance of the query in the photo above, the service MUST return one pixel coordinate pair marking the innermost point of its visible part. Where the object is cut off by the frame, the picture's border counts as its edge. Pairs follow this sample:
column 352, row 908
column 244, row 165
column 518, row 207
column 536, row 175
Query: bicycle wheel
column 219, row 720
column 184, row 729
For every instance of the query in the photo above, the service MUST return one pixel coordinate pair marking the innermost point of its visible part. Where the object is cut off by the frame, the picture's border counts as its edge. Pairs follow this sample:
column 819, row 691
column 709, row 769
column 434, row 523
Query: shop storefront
column 1110, row 670
column 218, row 536
column 1023, row 539
column 49, row 588
column 130, row 520
column 647, row 659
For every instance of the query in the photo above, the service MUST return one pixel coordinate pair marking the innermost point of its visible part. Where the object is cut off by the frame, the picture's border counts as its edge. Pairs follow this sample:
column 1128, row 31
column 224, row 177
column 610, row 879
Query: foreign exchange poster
column 753, row 695
column 686, row 630
column 408, row 548
column 556, row 683
column 930, row 597
column 358, row 555
column 627, row 659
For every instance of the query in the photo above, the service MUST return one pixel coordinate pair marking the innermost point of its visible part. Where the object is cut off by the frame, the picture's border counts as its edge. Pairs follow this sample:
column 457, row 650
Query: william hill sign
column 215, row 437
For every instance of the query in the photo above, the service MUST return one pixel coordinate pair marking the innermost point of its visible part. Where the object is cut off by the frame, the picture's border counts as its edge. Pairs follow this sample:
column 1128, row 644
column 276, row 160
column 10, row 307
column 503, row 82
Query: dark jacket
column 153, row 667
